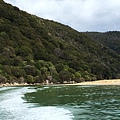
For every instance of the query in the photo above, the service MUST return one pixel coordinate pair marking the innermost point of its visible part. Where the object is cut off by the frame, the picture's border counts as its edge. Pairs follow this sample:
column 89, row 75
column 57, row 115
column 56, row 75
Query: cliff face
column 32, row 49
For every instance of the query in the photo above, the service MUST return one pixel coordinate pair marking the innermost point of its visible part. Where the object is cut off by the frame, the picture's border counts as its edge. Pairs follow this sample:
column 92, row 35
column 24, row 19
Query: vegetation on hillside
column 110, row 39
column 33, row 50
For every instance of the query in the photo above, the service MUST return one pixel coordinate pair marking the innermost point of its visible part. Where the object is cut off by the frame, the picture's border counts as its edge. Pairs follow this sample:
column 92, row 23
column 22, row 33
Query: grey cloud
column 82, row 15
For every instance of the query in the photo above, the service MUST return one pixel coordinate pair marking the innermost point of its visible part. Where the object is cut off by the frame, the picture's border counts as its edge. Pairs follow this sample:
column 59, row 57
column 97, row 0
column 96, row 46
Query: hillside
column 110, row 39
column 33, row 49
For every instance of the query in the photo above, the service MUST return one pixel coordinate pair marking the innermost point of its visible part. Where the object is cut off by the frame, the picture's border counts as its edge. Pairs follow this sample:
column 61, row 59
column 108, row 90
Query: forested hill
column 110, row 39
column 33, row 49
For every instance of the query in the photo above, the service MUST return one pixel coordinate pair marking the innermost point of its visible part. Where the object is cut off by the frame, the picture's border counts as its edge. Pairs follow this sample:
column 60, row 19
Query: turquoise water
column 60, row 103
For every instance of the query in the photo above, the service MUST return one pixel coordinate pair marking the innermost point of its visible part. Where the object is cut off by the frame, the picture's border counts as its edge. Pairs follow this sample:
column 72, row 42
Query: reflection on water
column 60, row 102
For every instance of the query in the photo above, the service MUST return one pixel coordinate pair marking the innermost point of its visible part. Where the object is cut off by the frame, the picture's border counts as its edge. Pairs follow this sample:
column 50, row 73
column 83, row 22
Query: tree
column 78, row 77
column 30, row 79
column 65, row 76
column 24, row 51
column 44, row 72
column 18, row 61
column 3, row 79
column 7, row 69
column 59, row 67
column 30, row 70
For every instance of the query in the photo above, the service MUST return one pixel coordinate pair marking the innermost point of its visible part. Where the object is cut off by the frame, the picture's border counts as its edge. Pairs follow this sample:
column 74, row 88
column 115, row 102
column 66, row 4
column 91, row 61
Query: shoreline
column 98, row 82
column 12, row 85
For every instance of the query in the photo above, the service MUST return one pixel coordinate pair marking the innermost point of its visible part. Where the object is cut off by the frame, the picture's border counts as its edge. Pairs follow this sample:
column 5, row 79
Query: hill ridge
column 34, row 49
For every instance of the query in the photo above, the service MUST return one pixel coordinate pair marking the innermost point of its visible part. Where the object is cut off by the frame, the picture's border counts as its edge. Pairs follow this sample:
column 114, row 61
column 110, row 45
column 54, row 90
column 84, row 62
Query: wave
column 13, row 107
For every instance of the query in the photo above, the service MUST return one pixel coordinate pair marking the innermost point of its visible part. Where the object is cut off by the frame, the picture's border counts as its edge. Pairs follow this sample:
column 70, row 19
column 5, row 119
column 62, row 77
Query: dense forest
column 110, row 39
column 34, row 50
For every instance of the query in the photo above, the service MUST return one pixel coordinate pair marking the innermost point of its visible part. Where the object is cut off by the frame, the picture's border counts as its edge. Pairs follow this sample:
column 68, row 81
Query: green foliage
column 30, row 79
column 33, row 49
column 110, row 39
column 65, row 76
column 30, row 70
column 3, row 79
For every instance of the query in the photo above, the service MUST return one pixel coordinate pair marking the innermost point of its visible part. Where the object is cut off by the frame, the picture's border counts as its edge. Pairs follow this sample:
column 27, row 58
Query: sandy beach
column 100, row 82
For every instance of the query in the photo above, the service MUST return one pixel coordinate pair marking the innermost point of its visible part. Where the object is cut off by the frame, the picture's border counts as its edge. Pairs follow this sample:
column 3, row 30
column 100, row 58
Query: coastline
column 98, row 82
column 12, row 85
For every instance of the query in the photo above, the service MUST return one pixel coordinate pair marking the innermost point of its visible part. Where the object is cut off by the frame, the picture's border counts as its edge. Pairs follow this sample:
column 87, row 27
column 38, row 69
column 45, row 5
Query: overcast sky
column 82, row 15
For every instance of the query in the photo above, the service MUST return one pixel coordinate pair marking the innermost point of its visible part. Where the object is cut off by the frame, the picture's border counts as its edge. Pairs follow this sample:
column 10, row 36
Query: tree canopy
column 34, row 49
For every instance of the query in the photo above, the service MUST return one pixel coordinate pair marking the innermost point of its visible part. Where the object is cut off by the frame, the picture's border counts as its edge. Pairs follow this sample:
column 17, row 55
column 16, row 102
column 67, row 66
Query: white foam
column 15, row 108
column 5, row 88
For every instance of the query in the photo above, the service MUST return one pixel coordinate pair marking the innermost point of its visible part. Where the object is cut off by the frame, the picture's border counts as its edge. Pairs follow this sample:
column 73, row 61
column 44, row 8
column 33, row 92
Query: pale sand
column 100, row 82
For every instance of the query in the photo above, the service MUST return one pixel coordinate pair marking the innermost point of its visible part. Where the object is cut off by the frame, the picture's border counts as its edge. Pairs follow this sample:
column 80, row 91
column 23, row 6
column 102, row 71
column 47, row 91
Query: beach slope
column 100, row 82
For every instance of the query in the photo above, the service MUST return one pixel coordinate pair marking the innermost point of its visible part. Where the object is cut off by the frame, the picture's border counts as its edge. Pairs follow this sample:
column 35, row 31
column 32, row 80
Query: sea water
column 60, row 103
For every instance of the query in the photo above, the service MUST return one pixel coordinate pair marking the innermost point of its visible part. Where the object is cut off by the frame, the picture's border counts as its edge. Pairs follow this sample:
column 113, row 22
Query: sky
column 82, row 15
